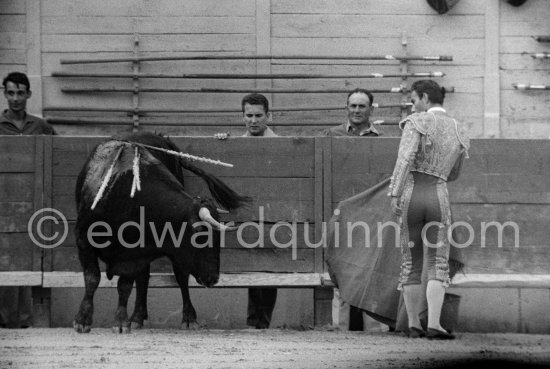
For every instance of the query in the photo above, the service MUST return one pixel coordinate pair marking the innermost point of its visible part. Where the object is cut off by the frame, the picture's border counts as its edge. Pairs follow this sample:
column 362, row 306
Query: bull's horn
column 222, row 211
column 205, row 215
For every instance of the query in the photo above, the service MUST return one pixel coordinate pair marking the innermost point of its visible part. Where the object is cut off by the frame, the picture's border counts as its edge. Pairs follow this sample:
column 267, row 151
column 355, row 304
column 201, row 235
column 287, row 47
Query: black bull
column 127, row 239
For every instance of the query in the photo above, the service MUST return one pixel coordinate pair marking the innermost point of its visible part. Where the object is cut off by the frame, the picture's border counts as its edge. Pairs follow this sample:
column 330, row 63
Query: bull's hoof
column 190, row 326
column 122, row 329
column 136, row 325
column 81, row 328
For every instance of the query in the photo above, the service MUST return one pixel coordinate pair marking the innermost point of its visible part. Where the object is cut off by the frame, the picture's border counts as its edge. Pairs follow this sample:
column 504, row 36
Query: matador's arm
column 408, row 147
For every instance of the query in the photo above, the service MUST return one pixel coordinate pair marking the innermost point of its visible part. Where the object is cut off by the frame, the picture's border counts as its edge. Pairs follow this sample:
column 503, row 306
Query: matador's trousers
column 425, row 223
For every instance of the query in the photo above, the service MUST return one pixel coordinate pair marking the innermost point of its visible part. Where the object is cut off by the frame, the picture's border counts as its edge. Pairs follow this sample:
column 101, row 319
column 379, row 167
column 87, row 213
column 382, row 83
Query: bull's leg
column 140, row 308
column 124, row 288
column 90, row 266
column 189, row 318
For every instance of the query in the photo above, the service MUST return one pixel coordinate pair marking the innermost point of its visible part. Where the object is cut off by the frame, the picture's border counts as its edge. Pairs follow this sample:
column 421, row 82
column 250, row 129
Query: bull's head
column 206, row 244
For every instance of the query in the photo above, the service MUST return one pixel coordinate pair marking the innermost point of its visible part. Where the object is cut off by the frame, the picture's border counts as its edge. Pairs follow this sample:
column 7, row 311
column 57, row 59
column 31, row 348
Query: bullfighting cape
column 365, row 267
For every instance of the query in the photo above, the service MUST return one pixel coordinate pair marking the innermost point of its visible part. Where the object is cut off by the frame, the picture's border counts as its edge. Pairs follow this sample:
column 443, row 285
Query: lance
column 522, row 86
column 209, row 111
column 247, row 76
column 255, row 57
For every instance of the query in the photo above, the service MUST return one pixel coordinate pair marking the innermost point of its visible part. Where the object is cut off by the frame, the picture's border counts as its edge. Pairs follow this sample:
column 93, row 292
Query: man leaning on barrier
column 358, row 107
column 256, row 116
column 16, row 302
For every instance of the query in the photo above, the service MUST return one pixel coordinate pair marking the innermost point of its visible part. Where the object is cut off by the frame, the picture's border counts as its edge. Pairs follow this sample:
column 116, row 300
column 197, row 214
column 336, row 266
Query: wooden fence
column 297, row 181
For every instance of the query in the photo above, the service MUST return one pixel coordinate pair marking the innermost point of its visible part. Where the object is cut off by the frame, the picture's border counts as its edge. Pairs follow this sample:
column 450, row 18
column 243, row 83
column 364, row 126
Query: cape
column 366, row 267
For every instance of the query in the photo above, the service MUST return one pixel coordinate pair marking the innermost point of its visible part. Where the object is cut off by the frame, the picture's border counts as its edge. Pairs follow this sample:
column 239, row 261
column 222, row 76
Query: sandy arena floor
column 164, row 348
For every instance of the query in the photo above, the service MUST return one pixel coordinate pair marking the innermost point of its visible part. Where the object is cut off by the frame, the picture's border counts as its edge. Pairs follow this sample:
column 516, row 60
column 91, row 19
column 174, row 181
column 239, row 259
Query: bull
column 126, row 232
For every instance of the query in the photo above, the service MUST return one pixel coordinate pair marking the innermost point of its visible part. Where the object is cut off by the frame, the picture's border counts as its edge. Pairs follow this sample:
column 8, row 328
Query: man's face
column 17, row 96
column 419, row 103
column 358, row 108
column 255, row 119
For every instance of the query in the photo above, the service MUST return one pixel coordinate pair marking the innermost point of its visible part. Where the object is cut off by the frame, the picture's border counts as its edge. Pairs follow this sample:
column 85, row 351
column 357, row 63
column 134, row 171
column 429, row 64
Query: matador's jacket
column 432, row 143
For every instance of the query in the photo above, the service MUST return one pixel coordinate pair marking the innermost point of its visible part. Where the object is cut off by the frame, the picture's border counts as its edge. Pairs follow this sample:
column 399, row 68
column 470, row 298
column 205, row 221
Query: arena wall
column 299, row 180
column 490, row 42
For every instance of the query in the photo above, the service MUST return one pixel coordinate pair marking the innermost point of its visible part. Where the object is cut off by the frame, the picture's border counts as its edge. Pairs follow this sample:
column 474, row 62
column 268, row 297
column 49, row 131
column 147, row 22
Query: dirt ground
column 273, row 348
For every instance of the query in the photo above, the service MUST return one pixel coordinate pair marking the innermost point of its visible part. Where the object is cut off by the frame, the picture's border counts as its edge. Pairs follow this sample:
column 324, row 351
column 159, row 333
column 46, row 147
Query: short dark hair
column 436, row 93
column 361, row 91
column 18, row 78
column 256, row 99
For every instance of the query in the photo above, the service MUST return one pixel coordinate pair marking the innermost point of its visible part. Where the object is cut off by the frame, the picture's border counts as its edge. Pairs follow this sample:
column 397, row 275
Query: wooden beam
column 160, row 280
column 34, row 55
column 20, row 278
column 491, row 83
column 240, row 280
column 501, row 280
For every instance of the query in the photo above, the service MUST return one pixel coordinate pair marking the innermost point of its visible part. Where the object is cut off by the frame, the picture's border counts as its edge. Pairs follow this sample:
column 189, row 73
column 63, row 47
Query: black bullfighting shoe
column 414, row 332
column 436, row 334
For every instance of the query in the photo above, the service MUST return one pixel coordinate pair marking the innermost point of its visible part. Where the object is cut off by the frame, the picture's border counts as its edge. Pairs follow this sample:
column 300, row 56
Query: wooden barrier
column 297, row 181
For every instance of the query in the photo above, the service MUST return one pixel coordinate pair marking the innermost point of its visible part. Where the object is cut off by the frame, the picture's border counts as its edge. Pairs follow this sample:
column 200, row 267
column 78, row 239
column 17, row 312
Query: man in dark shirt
column 15, row 120
column 16, row 302
column 358, row 107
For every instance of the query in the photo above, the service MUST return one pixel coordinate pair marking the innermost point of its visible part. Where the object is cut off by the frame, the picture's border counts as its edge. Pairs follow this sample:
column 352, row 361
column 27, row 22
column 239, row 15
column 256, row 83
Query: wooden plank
column 501, row 281
column 299, row 235
column 154, row 42
column 390, row 7
column 472, row 280
column 263, row 30
column 530, row 156
column 276, row 153
column 232, row 260
column 20, row 278
column 129, row 8
column 39, row 189
column 320, row 148
column 34, row 54
column 47, row 196
column 525, row 105
column 162, row 280
column 532, row 259
column 12, row 23
column 526, row 128
column 83, row 24
column 491, row 114
column 327, row 180
column 13, row 40
column 521, row 44
column 14, row 215
column 16, row 187
column 17, row 154
column 526, row 28
column 374, row 26
column 16, row 252
column 517, row 219
column 13, row 7
column 12, row 56
column 273, row 210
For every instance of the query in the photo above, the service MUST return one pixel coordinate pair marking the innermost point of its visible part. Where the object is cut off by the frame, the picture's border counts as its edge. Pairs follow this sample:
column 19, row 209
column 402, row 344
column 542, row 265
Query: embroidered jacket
column 433, row 143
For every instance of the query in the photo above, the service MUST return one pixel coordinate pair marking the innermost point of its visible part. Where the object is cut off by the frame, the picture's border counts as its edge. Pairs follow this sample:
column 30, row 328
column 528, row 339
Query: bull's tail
column 224, row 195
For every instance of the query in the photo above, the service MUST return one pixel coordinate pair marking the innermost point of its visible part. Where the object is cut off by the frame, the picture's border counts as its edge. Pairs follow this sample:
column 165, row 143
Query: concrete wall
column 489, row 41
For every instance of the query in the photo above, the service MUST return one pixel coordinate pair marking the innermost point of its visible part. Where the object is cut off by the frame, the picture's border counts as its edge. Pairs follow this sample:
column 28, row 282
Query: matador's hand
column 395, row 205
